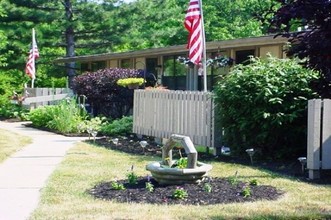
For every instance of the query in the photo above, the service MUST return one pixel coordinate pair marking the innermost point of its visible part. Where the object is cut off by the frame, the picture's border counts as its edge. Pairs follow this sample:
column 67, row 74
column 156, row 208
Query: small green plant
column 132, row 177
column 117, row 186
column 130, row 81
column 181, row 163
column 207, row 187
column 246, row 191
column 233, row 180
column 253, row 182
column 179, row 193
column 149, row 186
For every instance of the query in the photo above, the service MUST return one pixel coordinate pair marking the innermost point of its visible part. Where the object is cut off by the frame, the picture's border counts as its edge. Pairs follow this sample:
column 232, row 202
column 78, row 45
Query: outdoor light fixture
column 115, row 141
column 94, row 134
column 143, row 144
column 303, row 161
column 250, row 152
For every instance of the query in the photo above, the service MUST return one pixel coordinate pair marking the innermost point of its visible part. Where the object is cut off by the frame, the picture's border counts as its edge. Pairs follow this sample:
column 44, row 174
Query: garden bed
column 223, row 190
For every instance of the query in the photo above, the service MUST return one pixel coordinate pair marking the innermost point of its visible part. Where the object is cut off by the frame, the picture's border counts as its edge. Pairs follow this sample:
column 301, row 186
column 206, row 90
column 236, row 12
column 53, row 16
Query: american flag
column 194, row 27
column 30, row 68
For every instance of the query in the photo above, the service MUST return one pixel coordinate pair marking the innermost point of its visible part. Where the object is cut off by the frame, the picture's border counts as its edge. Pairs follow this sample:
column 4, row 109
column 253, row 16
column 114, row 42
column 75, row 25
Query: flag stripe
column 193, row 25
column 33, row 55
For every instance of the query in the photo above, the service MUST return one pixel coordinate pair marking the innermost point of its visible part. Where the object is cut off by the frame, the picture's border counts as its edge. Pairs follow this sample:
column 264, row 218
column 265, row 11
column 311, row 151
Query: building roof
column 171, row 50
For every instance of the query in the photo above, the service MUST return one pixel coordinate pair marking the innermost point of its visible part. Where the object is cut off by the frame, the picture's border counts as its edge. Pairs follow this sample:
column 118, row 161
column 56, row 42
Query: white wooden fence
column 161, row 113
column 44, row 96
column 319, row 136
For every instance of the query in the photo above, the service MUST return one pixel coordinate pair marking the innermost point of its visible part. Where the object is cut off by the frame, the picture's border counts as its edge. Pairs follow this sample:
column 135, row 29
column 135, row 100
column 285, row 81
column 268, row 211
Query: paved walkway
column 25, row 173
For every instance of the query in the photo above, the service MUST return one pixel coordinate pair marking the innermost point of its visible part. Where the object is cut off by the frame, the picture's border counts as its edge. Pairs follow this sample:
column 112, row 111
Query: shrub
column 118, row 127
column 64, row 117
column 41, row 116
column 103, row 93
column 264, row 105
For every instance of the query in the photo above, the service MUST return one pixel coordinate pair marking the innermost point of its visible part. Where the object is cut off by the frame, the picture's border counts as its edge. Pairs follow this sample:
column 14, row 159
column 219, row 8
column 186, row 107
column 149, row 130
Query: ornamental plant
column 179, row 193
column 264, row 105
column 130, row 81
column 103, row 93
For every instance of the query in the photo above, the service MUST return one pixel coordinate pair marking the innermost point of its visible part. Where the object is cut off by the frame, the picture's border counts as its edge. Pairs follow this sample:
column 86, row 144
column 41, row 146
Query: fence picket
column 162, row 113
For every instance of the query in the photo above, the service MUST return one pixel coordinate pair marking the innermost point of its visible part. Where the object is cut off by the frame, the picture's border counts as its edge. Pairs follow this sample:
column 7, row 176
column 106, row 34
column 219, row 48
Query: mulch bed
column 222, row 190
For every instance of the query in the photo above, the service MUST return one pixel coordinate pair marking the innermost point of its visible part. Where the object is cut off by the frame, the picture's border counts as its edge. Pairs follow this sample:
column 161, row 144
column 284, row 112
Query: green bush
column 118, row 127
column 64, row 117
column 263, row 106
column 41, row 116
column 102, row 92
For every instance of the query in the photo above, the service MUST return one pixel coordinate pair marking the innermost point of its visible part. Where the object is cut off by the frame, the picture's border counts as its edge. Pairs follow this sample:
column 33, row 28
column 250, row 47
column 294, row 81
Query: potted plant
column 131, row 83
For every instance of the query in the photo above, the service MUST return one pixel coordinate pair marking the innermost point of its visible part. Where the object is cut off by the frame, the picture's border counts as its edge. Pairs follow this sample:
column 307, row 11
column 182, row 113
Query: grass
column 86, row 165
column 10, row 143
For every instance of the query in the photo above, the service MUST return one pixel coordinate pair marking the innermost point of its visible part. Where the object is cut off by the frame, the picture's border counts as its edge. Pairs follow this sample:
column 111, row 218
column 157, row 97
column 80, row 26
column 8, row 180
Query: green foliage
column 207, row 187
column 94, row 124
column 118, row 127
column 129, row 81
column 246, row 191
column 181, row 163
column 14, row 111
column 132, row 178
column 179, row 193
column 253, row 182
column 149, row 186
column 264, row 105
column 41, row 116
column 117, row 186
column 64, row 117
column 102, row 92
column 233, row 180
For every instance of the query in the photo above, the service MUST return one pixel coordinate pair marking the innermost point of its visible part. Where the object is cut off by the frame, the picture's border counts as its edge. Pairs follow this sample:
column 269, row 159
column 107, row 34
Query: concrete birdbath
column 164, row 172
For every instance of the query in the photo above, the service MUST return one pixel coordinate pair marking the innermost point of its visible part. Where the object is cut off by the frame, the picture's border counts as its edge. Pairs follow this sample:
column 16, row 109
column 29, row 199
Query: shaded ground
column 222, row 190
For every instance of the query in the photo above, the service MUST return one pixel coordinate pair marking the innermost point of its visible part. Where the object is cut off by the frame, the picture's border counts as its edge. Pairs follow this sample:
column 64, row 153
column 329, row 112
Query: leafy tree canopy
column 81, row 27
column 313, row 42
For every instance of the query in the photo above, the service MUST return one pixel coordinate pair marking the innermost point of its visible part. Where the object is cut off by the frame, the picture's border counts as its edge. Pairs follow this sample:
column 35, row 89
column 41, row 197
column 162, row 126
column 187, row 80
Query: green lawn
column 10, row 143
column 86, row 165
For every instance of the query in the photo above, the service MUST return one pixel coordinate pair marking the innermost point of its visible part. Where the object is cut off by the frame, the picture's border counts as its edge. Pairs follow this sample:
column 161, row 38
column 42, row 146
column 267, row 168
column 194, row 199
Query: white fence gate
column 319, row 136
column 44, row 96
column 161, row 113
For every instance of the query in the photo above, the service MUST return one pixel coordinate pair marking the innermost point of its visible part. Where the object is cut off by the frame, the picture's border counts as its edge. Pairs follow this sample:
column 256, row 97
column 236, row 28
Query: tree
column 74, row 25
column 3, row 41
column 313, row 42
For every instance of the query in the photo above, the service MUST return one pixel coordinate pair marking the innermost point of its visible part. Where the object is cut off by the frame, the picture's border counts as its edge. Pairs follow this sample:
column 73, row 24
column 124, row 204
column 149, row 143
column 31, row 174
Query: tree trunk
column 70, row 42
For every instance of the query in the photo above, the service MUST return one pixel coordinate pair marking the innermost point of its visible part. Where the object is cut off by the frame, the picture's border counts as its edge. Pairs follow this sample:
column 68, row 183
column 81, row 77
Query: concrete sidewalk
column 25, row 173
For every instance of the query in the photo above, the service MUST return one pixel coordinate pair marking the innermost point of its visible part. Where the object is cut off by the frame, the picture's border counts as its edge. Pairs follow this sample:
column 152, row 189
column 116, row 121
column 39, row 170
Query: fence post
column 313, row 138
column 326, row 135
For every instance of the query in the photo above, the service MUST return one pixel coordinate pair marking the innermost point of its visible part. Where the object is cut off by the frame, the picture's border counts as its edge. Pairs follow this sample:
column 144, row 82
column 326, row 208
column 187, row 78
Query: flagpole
column 33, row 55
column 204, row 60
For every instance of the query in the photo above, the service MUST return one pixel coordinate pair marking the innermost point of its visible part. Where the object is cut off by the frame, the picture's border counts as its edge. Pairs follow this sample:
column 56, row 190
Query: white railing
column 319, row 136
column 44, row 96
column 161, row 113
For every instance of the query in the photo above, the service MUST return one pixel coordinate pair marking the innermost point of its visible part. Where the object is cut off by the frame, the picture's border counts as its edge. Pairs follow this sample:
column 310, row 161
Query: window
column 173, row 68
column 242, row 56
column 84, row 67
column 126, row 64
column 98, row 65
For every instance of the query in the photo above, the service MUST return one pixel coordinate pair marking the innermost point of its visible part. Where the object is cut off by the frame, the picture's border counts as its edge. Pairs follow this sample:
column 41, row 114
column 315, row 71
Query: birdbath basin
column 165, row 174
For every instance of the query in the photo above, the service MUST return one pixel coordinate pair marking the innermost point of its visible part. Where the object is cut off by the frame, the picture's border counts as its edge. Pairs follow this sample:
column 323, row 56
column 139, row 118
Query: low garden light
column 115, row 141
column 303, row 161
column 94, row 133
column 250, row 153
column 143, row 144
